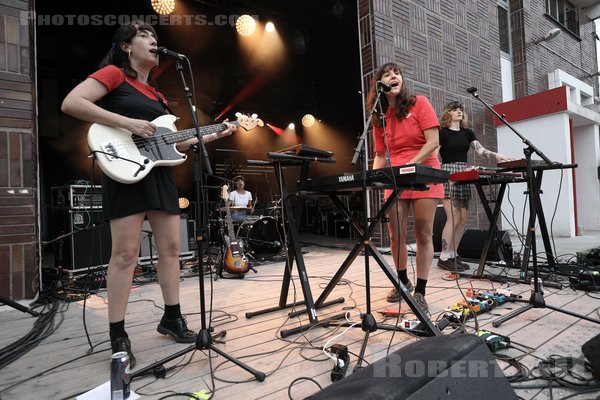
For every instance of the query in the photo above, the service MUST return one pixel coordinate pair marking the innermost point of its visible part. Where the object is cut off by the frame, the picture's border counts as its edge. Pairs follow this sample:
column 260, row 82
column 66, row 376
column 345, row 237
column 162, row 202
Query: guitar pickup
column 114, row 150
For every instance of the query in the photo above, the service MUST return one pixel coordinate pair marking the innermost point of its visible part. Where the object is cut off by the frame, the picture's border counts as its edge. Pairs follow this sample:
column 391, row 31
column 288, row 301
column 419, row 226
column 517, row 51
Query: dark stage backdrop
column 319, row 74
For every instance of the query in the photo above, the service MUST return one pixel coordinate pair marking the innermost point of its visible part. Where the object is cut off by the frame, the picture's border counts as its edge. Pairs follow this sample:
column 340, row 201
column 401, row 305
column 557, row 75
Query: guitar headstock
column 249, row 122
column 225, row 192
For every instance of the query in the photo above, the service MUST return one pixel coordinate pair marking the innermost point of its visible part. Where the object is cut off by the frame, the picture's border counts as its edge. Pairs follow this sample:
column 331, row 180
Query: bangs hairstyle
column 404, row 100
column 446, row 118
column 116, row 56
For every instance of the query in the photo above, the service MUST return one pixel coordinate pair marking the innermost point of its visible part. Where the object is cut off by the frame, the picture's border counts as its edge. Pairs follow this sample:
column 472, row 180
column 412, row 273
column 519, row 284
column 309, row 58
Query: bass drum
column 262, row 237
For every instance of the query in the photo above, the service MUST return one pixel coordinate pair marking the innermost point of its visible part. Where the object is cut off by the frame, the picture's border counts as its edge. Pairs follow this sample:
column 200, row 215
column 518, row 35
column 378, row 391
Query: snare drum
column 262, row 237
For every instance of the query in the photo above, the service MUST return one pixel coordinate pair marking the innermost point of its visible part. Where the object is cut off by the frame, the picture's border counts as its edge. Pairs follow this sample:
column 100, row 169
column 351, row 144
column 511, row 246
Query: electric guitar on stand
column 128, row 158
column 234, row 260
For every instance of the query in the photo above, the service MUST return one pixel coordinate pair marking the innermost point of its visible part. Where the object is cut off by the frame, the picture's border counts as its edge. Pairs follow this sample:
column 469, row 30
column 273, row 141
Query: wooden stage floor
column 64, row 364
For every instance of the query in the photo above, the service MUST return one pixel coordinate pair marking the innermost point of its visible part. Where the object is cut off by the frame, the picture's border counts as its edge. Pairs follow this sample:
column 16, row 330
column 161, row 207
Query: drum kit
column 262, row 235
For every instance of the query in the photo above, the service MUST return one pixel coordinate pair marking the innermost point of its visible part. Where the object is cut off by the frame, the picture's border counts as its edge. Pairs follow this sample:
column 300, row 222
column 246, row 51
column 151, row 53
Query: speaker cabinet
column 450, row 367
column 471, row 245
column 86, row 241
column 148, row 245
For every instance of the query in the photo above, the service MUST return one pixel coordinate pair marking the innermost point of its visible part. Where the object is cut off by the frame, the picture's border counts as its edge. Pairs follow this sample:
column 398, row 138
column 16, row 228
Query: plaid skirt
column 451, row 190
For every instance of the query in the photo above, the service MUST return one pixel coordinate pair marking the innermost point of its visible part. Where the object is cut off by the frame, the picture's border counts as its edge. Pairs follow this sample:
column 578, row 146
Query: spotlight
column 183, row 203
column 163, row 7
column 269, row 27
column 245, row 25
column 292, row 125
column 308, row 120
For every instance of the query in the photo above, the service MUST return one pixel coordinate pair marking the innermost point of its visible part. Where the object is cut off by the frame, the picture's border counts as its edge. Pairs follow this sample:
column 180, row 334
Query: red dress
column 405, row 138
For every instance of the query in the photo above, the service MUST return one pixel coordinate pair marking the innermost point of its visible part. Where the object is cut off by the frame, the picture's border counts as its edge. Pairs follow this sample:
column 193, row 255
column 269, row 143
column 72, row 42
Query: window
column 503, row 29
column 564, row 13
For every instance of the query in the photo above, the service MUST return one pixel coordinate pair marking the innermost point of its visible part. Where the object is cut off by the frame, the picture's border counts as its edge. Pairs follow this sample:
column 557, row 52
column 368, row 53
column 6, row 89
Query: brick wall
column 443, row 47
column 573, row 54
column 447, row 46
column 18, row 155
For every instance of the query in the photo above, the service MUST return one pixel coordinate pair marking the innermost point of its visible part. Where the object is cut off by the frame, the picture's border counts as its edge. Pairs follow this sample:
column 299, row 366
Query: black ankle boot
column 178, row 330
column 123, row 344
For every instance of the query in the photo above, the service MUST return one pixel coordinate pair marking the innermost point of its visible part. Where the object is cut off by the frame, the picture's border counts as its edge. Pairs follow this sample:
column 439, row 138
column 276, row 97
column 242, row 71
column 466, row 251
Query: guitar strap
column 162, row 103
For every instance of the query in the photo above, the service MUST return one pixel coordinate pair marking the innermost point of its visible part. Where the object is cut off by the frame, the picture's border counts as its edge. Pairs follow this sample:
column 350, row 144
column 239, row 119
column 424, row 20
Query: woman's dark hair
column 116, row 56
column 446, row 119
column 404, row 101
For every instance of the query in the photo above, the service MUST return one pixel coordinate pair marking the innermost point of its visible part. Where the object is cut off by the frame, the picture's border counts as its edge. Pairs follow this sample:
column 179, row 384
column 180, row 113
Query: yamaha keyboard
column 409, row 175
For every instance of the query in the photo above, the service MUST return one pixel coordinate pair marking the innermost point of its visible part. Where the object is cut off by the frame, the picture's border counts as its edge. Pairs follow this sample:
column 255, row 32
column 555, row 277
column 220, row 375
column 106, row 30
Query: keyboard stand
column 364, row 240
column 493, row 233
column 294, row 253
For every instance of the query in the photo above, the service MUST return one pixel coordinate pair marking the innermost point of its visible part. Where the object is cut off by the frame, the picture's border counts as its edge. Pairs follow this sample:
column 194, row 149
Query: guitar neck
column 180, row 136
column 229, row 221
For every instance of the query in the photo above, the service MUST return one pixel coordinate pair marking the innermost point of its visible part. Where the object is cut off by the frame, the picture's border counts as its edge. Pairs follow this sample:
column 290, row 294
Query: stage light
column 291, row 126
column 163, row 7
column 183, row 203
column 245, row 25
column 308, row 120
column 269, row 27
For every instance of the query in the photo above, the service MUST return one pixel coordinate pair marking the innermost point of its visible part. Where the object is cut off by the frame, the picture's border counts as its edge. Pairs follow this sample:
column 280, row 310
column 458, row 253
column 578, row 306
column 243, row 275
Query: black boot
column 177, row 328
column 123, row 344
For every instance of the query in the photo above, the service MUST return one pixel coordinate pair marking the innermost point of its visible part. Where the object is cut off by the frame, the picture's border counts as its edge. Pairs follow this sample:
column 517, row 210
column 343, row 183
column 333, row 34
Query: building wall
column 18, row 155
column 445, row 47
column 567, row 52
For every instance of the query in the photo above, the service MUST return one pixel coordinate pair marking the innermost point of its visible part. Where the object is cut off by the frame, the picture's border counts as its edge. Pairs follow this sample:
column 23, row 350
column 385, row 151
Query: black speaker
column 448, row 367
column 471, row 245
column 438, row 226
column 591, row 351
column 86, row 239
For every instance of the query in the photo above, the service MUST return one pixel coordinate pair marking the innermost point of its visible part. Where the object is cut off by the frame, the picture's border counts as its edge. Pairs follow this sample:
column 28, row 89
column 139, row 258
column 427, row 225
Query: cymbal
column 274, row 208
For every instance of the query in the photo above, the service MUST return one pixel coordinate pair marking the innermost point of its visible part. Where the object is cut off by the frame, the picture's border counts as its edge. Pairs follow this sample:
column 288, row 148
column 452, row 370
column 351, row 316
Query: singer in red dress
column 407, row 133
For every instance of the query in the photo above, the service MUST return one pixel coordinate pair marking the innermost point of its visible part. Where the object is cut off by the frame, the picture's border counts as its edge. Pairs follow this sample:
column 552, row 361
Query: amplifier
column 77, row 197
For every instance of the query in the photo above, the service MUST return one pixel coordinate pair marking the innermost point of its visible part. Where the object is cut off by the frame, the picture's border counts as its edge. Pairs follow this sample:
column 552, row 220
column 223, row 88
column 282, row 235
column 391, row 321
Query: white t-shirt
column 240, row 199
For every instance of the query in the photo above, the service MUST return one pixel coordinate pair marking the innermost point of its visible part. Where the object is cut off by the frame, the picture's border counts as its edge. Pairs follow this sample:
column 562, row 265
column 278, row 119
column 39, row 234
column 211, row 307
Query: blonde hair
column 446, row 119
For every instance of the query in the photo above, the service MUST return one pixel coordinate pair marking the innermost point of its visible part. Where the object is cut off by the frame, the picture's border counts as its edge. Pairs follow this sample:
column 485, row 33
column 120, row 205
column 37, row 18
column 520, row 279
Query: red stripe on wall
column 544, row 103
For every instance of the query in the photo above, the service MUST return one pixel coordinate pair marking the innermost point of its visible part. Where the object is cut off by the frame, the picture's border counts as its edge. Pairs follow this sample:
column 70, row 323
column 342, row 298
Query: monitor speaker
column 86, row 241
column 471, row 245
column 450, row 367
column 591, row 350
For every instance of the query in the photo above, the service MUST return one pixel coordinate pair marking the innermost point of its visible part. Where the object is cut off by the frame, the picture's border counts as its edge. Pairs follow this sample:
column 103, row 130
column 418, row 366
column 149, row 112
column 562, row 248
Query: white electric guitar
column 128, row 158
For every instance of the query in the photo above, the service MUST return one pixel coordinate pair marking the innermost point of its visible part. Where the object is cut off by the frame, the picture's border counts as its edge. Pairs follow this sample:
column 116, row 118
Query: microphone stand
column 204, row 340
column 368, row 324
column 535, row 208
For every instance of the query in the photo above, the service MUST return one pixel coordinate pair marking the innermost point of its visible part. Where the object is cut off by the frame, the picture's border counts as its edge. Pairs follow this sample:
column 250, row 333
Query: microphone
column 472, row 90
column 384, row 86
column 163, row 51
